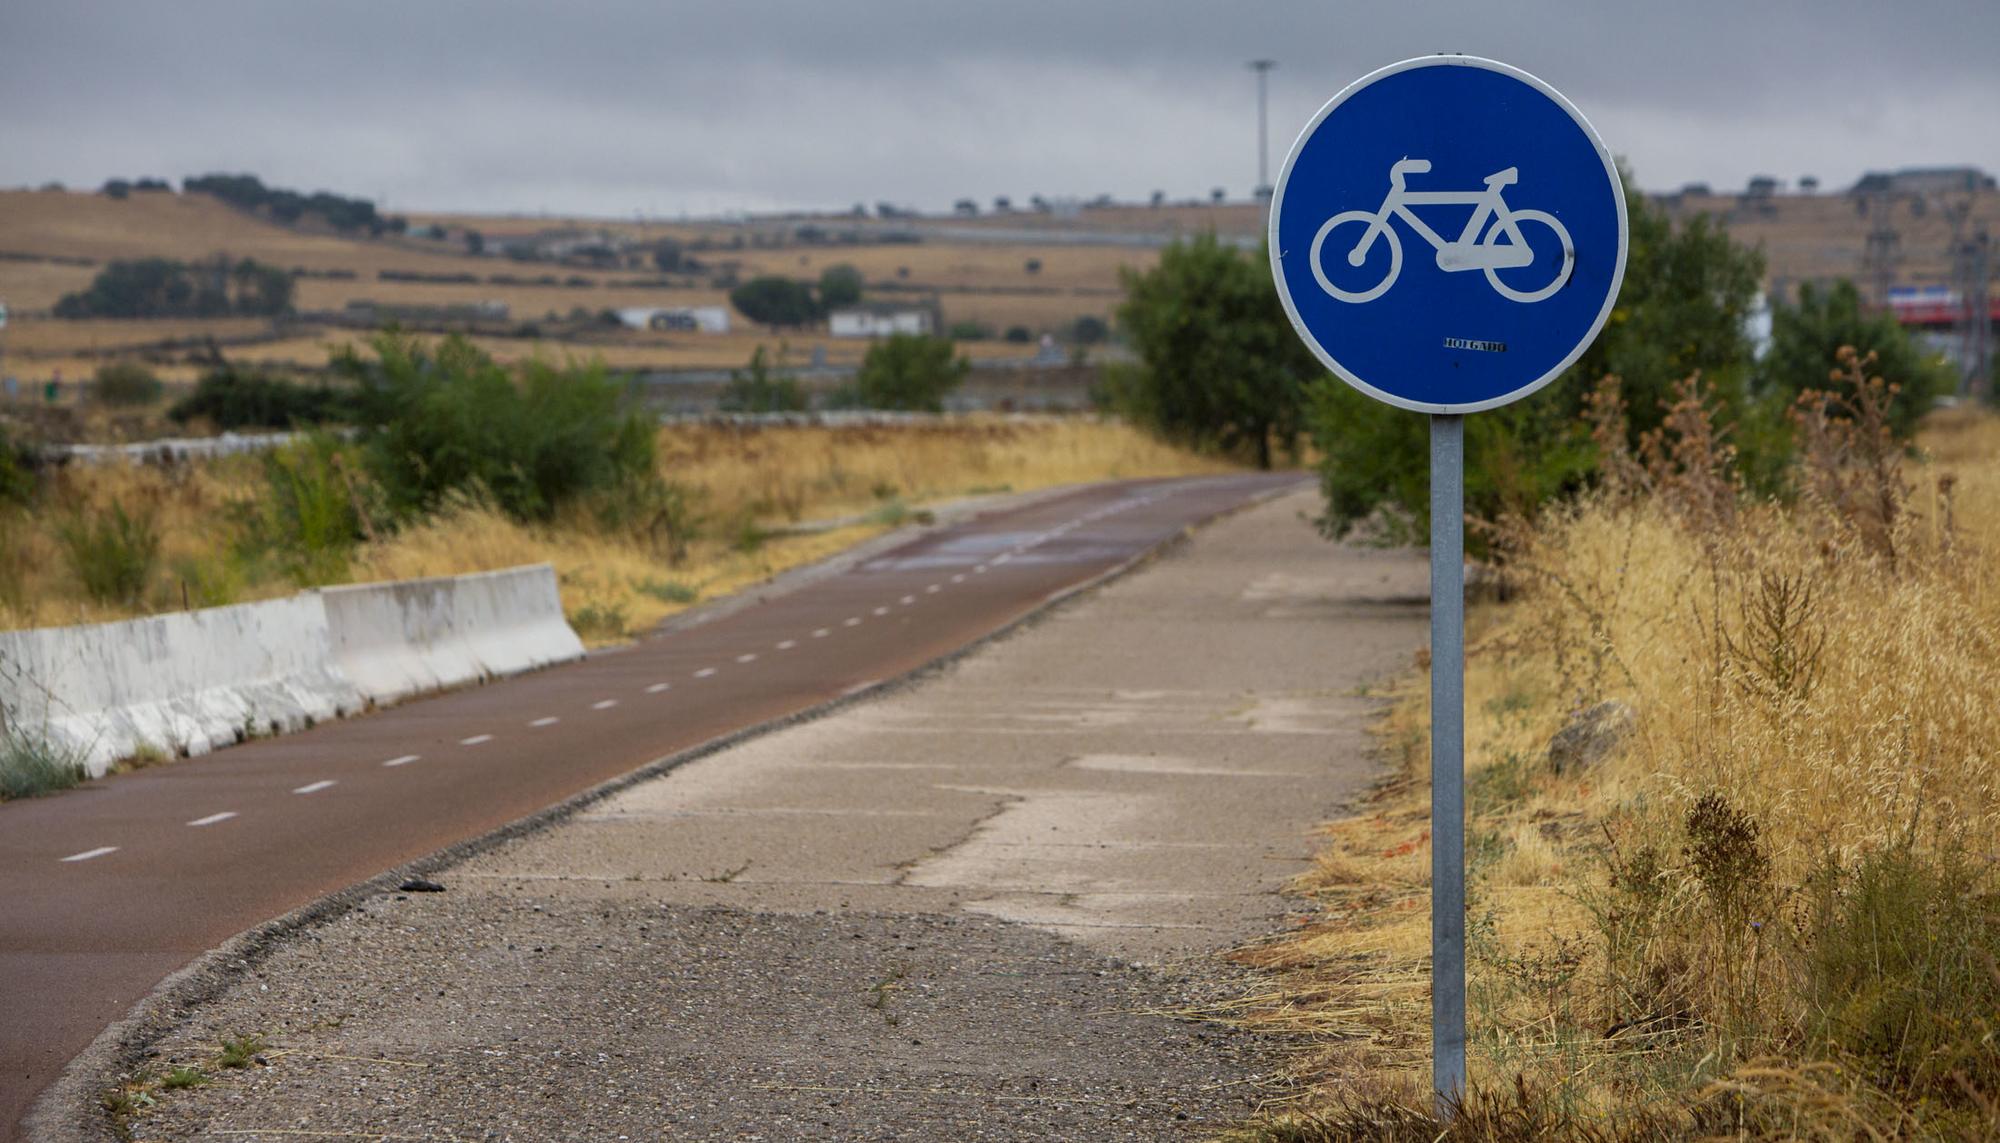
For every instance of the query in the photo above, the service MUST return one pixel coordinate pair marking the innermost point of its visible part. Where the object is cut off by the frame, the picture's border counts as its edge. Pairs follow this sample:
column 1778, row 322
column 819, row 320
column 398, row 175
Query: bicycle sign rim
column 1276, row 252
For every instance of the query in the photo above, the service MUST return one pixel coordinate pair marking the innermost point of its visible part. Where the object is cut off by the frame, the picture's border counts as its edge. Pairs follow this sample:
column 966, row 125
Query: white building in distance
column 677, row 319
column 881, row 319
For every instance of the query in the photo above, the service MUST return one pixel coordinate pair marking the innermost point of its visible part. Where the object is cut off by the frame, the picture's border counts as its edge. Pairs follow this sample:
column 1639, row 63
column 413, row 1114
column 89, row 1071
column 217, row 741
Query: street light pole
column 1263, row 69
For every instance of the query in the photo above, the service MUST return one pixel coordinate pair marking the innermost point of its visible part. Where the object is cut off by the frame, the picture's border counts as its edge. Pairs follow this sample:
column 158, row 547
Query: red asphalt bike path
column 108, row 889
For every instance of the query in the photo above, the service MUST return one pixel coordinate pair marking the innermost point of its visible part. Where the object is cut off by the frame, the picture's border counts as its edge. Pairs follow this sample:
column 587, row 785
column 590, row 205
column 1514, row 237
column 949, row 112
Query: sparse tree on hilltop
column 839, row 285
column 771, row 300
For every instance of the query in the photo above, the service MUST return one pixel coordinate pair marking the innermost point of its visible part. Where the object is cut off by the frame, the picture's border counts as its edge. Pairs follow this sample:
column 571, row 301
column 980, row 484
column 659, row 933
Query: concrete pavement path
column 959, row 911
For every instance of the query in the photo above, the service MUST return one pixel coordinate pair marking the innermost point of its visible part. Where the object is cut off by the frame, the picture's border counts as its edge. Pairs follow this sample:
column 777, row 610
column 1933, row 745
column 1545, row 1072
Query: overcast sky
column 667, row 107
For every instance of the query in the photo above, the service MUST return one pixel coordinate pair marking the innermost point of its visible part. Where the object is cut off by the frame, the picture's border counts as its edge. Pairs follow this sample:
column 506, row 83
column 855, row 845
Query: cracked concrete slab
column 955, row 912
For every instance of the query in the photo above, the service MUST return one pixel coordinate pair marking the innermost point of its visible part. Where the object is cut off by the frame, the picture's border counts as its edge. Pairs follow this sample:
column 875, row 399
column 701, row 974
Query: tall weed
column 314, row 511
column 31, row 766
column 112, row 553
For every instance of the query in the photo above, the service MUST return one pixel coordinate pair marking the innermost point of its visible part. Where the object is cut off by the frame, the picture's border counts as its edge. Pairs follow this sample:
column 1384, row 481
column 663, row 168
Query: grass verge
column 229, row 530
column 1772, row 910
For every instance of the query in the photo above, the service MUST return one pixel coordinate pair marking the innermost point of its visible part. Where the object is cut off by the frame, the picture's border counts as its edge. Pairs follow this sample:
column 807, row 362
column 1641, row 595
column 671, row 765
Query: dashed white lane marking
column 213, row 818
column 788, row 644
column 475, row 740
column 549, row 720
column 933, row 589
column 656, row 688
column 881, row 611
column 87, row 854
column 907, row 600
column 747, row 657
column 705, row 672
column 960, row 578
column 405, row 760
column 314, row 787
column 604, row 704
column 851, row 621
column 821, row 633
column 980, row 570
column 1003, row 557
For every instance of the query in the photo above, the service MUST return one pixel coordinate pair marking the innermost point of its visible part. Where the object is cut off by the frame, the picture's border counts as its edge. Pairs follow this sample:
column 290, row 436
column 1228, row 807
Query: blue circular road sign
column 1448, row 234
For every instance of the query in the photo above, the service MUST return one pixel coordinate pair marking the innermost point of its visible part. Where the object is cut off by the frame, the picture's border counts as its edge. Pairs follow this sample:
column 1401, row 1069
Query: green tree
column 1219, row 363
column 1686, row 294
column 757, row 388
column 839, row 285
column 772, row 300
column 1089, row 330
column 1805, row 338
column 162, row 287
column 907, row 371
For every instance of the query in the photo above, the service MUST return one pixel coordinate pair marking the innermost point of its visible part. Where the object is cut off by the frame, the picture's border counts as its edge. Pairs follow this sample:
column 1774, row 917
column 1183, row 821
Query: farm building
column 677, row 319
column 881, row 320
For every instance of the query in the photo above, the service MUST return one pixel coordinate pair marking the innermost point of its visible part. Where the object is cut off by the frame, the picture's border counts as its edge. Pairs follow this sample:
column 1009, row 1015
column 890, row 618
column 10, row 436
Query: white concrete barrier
column 411, row 636
column 186, row 682
column 192, row 681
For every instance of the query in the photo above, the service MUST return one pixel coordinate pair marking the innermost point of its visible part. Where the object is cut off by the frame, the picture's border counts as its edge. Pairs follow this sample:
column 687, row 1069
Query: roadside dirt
column 966, row 911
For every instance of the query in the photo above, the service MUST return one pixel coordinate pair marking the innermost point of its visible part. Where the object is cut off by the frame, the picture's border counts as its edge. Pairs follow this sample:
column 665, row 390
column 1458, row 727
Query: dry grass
column 750, row 485
column 105, row 335
column 1821, row 690
column 189, row 227
column 618, row 350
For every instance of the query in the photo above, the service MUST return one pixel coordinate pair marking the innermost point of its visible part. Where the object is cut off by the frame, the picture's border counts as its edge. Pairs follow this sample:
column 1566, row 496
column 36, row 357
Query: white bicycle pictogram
column 1503, row 246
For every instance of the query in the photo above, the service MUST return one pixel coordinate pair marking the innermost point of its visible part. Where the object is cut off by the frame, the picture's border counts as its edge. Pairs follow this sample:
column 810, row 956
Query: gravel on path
column 971, row 909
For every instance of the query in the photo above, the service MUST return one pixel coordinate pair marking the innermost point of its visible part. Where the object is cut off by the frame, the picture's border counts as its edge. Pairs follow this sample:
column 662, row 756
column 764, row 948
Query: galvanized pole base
column 1448, row 759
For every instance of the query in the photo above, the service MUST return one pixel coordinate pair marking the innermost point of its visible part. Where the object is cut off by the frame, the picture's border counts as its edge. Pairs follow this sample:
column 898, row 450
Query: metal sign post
column 1448, row 757
column 1513, row 218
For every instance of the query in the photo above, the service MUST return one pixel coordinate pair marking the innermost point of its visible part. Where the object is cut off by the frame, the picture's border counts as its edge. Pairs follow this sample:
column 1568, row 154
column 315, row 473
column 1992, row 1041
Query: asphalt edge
column 70, row 1110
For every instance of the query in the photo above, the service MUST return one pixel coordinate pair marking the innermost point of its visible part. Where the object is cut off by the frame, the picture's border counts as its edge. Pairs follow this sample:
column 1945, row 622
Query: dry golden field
column 1824, row 237
column 977, row 282
column 1692, row 917
column 749, row 487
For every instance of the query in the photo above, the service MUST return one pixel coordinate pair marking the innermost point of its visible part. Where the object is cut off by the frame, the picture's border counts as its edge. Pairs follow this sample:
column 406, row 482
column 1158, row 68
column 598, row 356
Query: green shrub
column 454, row 420
column 671, row 591
column 1808, row 335
column 600, row 621
column 758, row 389
column 968, row 331
column 309, row 519
column 1019, row 334
column 231, row 399
column 1903, row 958
column 124, row 383
column 31, row 766
column 19, row 470
column 212, row 580
column 112, row 554
column 909, row 372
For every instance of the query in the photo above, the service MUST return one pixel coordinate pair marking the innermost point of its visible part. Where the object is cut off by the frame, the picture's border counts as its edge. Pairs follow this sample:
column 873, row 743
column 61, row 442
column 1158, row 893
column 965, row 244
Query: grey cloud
column 622, row 106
